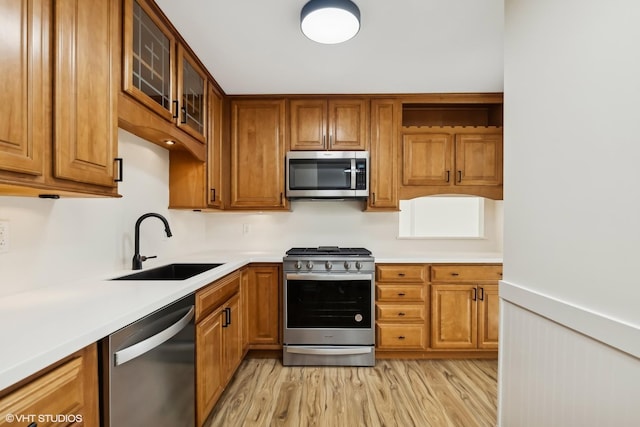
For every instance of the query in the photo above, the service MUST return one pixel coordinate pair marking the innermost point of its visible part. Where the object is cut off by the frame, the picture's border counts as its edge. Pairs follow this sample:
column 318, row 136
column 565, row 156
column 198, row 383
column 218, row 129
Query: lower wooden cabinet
column 68, row 391
column 401, row 322
column 437, row 310
column 263, row 306
column 218, row 341
column 464, row 307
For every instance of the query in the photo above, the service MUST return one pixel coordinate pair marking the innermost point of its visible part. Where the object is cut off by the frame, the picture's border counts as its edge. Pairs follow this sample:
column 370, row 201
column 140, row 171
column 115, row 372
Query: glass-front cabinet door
column 192, row 93
column 149, row 59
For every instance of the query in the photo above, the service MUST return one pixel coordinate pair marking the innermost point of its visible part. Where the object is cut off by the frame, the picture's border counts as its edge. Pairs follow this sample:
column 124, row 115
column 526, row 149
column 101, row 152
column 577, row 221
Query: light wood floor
column 459, row 393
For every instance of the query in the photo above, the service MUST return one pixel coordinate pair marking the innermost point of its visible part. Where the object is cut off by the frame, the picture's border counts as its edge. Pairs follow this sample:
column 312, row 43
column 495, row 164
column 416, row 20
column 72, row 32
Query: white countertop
column 42, row 326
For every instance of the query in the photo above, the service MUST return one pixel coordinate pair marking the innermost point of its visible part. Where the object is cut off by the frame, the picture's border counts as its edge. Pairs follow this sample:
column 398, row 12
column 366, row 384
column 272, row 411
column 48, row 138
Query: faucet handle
column 144, row 258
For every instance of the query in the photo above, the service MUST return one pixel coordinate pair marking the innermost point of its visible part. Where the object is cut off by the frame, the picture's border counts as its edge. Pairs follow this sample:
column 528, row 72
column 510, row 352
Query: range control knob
column 358, row 265
column 328, row 265
column 309, row 265
column 347, row 265
column 298, row 265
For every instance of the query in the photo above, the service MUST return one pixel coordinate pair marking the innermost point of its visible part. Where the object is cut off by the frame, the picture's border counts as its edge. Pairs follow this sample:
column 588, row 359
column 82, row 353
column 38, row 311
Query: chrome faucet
column 137, row 258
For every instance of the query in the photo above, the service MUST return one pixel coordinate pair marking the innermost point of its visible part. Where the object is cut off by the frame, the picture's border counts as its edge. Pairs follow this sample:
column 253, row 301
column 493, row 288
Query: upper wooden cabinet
column 192, row 95
column 383, row 181
column 164, row 85
column 451, row 144
column 446, row 159
column 60, row 81
column 192, row 183
column 24, row 73
column 328, row 124
column 257, row 154
column 159, row 72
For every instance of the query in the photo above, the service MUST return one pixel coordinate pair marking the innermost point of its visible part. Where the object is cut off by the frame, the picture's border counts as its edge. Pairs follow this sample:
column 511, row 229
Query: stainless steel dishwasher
column 148, row 370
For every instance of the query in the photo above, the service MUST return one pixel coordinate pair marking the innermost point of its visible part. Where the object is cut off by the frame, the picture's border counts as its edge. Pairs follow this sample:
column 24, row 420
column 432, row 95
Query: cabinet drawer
column 457, row 273
column 400, row 292
column 401, row 336
column 58, row 392
column 212, row 296
column 401, row 312
column 401, row 273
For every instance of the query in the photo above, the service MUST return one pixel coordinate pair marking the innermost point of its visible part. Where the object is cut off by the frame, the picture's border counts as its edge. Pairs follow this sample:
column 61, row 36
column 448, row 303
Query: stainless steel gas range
column 329, row 307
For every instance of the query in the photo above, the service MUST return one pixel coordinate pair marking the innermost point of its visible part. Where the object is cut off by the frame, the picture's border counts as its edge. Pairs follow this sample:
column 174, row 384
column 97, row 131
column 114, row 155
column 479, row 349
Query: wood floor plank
column 439, row 393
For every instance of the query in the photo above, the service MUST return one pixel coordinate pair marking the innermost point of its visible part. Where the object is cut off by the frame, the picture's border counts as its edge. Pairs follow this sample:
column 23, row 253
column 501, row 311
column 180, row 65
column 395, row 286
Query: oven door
column 328, row 309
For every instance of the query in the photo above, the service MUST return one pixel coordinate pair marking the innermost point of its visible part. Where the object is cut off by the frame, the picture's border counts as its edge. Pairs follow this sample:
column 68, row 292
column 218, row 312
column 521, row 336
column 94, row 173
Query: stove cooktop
column 328, row 250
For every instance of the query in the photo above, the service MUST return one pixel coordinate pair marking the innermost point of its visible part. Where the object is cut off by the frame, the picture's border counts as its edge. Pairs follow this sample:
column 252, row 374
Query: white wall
column 52, row 241
column 572, row 201
column 330, row 223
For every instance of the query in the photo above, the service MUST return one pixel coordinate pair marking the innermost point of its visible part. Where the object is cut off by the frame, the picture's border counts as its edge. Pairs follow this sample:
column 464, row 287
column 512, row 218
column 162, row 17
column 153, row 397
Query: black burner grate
column 329, row 250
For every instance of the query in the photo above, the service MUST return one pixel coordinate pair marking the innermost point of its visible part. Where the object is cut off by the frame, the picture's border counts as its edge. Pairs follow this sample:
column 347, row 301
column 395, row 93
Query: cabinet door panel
column 478, row 159
column 232, row 337
column 427, row 159
column 214, row 159
column 85, row 90
column 347, row 125
column 193, row 96
column 488, row 316
column 257, row 154
column 384, row 158
column 308, row 124
column 264, row 305
column 149, row 59
column 23, row 85
column 454, row 316
column 209, row 368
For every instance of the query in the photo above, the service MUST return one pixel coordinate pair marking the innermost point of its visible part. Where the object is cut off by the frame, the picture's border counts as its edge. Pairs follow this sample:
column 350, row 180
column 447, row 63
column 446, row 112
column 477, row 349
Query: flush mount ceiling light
column 330, row 21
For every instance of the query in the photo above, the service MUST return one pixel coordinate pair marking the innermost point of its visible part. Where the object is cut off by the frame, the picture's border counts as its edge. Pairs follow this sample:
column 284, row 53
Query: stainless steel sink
column 170, row 272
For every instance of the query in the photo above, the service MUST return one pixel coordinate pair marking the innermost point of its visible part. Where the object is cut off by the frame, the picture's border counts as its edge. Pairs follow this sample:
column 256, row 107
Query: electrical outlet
column 4, row 236
column 246, row 229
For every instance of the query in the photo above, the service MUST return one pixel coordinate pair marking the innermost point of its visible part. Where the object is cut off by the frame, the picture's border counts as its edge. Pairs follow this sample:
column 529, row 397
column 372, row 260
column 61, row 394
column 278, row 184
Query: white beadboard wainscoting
column 565, row 366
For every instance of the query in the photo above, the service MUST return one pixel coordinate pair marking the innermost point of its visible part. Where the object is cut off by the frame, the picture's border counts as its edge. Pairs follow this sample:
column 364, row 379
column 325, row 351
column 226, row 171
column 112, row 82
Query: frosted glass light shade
column 330, row 21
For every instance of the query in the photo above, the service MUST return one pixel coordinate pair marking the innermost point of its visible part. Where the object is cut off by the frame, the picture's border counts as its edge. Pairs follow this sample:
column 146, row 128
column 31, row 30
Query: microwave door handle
column 353, row 173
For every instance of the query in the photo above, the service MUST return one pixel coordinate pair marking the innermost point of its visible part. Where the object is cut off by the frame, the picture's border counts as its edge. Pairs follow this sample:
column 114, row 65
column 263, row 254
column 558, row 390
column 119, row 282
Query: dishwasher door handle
column 138, row 349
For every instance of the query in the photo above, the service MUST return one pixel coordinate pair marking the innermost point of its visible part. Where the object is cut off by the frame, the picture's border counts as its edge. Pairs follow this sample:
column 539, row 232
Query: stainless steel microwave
column 327, row 174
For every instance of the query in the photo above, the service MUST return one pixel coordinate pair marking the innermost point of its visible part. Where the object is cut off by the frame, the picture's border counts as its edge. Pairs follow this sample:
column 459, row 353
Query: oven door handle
column 328, row 277
column 324, row 351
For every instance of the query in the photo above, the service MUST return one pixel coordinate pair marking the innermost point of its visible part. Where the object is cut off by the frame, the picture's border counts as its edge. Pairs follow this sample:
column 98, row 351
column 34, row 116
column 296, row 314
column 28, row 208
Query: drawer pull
column 455, row 274
column 401, row 294
column 401, row 314
column 401, row 337
column 401, row 274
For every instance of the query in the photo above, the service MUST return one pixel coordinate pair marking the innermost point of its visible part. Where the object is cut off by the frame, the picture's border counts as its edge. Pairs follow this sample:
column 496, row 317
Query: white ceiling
column 404, row 46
